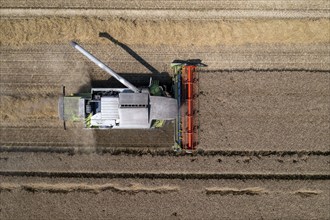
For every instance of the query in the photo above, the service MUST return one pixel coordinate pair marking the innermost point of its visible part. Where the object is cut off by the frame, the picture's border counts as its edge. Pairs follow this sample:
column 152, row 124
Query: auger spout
column 104, row 67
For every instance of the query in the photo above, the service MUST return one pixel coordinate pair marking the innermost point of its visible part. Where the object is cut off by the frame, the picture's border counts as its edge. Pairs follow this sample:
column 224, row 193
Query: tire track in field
column 71, row 150
column 75, row 161
column 182, row 176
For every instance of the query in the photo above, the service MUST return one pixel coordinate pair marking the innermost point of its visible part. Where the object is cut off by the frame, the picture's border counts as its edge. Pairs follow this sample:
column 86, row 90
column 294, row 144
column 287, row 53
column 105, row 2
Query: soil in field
column 264, row 110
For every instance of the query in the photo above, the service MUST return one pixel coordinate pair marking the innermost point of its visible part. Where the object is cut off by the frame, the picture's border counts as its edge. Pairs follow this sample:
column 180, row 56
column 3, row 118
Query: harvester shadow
column 109, row 139
column 137, row 79
column 138, row 139
column 130, row 52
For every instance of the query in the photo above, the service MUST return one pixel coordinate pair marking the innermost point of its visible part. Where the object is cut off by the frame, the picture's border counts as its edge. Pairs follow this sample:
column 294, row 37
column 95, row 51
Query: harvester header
column 186, row 92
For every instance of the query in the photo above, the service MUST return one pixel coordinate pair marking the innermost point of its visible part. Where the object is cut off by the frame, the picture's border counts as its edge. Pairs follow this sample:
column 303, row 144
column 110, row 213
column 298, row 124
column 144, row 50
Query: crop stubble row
column 228, row 198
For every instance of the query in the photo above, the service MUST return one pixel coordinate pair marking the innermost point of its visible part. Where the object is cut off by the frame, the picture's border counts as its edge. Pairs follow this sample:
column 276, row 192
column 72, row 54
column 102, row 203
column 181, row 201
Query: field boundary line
column 183, row 176
column 153, row 152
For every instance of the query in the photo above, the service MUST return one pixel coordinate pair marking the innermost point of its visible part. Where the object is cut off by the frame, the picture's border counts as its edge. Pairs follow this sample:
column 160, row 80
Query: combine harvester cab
column 186, row 92
column 118, row 108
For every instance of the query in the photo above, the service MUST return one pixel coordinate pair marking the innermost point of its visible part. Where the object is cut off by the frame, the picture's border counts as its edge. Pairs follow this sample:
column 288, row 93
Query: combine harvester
column 139, row 108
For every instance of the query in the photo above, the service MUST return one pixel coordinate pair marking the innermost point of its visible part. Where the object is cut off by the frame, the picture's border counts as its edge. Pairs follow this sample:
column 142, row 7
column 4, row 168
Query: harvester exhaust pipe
column 104, row 67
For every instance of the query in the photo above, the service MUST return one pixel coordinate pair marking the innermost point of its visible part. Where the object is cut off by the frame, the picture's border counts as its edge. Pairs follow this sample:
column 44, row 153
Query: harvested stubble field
column 264, row 110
